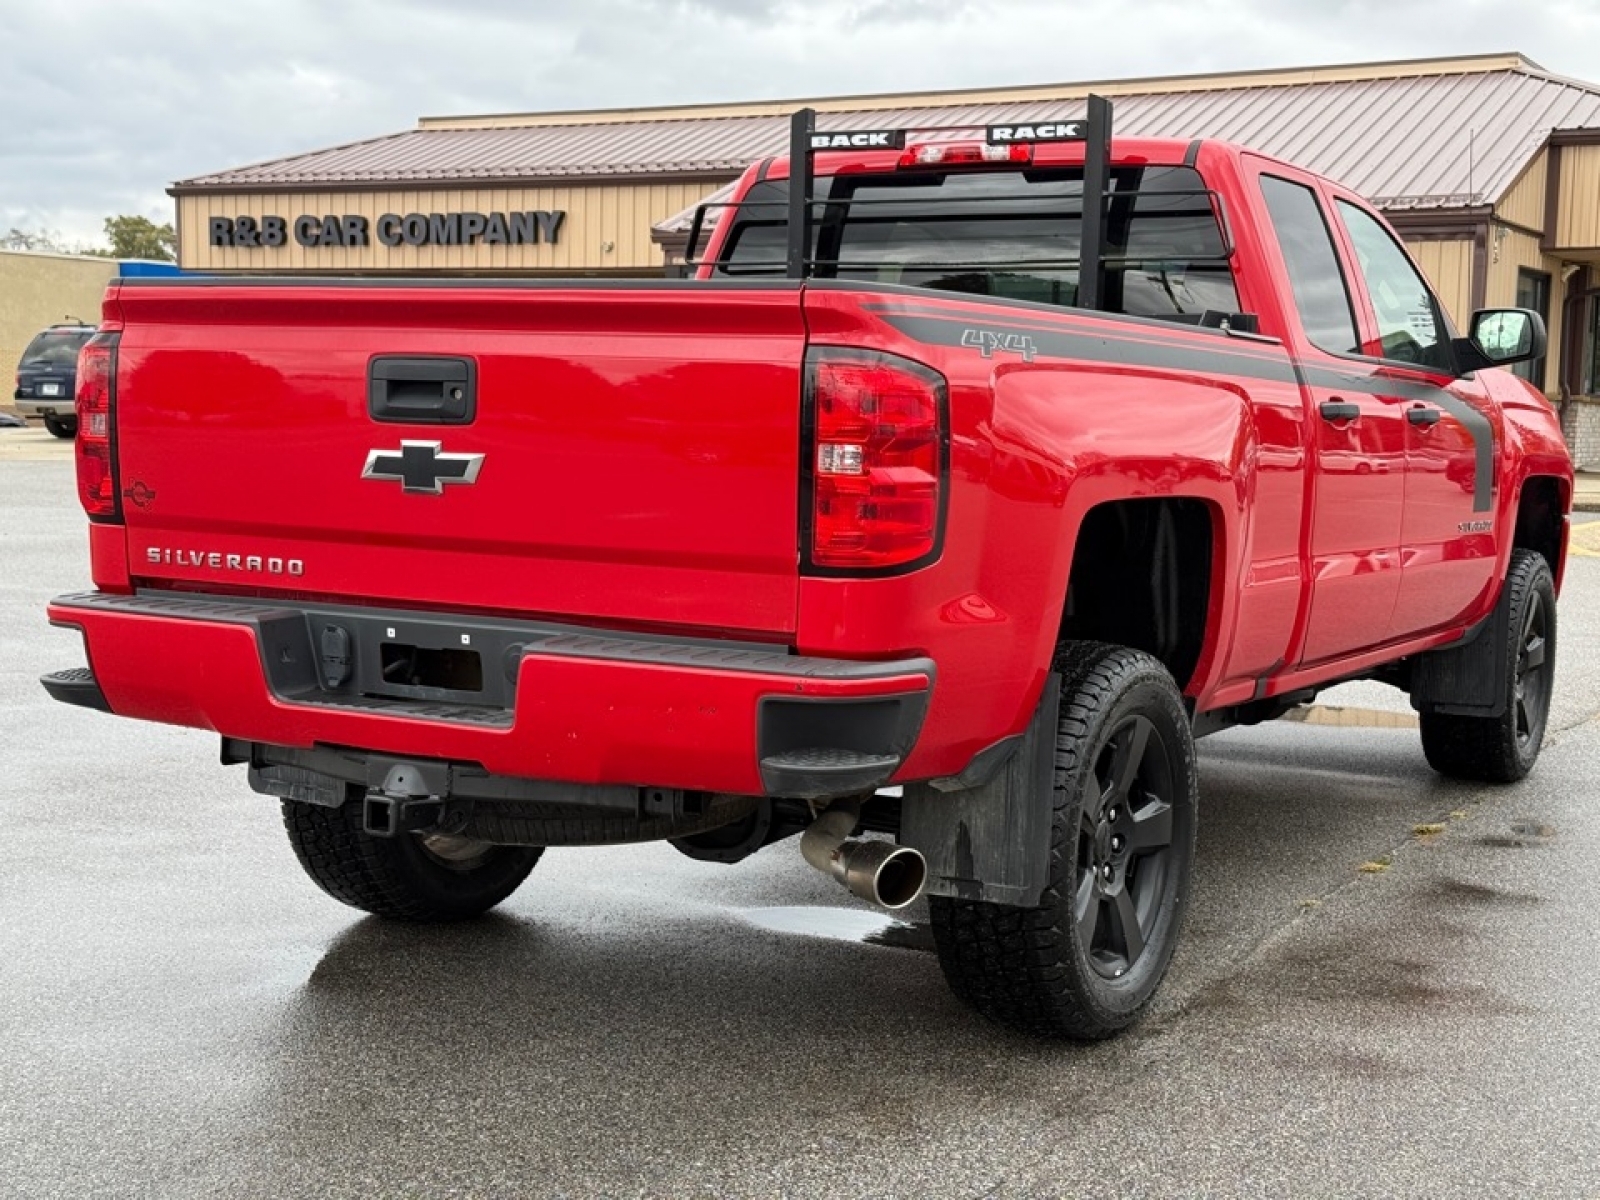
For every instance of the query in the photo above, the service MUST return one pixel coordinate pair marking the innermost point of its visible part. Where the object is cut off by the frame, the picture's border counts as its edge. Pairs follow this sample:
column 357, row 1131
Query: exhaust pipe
column 880, row 872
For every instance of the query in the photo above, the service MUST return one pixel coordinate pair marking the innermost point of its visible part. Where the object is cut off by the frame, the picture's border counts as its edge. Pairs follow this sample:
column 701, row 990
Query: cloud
column 101, row 110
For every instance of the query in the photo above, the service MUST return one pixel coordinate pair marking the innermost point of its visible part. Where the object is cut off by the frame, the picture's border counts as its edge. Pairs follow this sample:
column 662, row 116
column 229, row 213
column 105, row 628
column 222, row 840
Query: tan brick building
column 1489, row 166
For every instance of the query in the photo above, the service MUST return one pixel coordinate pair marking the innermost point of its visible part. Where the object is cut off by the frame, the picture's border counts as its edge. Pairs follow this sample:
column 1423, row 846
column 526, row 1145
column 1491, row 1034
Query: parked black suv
column 47, row 377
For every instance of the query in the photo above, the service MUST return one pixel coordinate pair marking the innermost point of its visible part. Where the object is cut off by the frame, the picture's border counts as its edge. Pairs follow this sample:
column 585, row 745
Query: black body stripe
column 1482, row 432
column 1098, row 347
column 1192, row 154
column 1476, row 424
column 1082, row 345
column 1043, row 316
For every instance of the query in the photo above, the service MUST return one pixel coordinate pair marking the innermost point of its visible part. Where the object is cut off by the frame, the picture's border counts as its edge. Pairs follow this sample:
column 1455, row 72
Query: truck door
column 1358, row 434
column 1447, row 539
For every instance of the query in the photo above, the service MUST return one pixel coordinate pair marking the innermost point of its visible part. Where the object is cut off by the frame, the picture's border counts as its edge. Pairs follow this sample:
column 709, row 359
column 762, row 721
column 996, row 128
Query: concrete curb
column 1351, row 718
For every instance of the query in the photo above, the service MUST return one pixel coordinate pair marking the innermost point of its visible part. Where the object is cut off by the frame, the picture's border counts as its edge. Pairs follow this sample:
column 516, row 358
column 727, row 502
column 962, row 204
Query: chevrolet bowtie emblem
column 420, row 467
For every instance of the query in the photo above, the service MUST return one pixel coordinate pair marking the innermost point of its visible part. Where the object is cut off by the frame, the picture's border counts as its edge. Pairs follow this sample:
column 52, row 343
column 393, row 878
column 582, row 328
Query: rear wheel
column 1087, row 959
column 62, row 427
column 1503, row 749
column 411, row 877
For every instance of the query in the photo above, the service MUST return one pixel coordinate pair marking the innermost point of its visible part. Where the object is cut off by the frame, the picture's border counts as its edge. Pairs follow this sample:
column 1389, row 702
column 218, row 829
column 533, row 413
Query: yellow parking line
column 1585, row 540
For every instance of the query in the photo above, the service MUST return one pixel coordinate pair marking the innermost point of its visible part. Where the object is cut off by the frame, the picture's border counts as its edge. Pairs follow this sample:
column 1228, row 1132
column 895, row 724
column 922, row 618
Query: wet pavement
column 1389, row 986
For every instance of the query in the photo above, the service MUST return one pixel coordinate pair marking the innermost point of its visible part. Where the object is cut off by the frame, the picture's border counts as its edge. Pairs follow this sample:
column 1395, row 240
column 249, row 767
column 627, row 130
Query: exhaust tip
column 883, row 873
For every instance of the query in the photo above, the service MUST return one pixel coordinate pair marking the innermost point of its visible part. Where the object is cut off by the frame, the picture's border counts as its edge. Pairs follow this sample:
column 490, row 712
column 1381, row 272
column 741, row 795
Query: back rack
column 806, row 142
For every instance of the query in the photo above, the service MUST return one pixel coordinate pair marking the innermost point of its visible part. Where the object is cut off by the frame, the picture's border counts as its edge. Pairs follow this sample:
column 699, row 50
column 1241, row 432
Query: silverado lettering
column 219, row 561
column 762, row 544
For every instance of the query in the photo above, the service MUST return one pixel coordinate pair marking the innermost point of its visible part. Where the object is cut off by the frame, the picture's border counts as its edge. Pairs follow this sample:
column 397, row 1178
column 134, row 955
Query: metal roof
column 1447, row 135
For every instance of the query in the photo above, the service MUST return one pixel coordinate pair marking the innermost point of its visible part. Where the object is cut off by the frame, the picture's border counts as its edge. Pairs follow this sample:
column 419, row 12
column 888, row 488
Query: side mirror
column 1501, row 336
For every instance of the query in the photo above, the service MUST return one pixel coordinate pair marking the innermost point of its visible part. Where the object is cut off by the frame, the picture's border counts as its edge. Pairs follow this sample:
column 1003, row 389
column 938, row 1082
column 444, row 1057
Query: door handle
column 1423, row 417
column 1339, row 410
column 422, row 391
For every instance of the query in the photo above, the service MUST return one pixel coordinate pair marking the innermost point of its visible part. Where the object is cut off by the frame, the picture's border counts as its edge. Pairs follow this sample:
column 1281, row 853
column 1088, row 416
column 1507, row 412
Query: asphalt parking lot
column 1389, row 985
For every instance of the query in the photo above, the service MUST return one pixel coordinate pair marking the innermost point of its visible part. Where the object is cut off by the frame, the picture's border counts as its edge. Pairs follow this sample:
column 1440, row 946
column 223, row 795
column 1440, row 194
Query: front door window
column 1411, row 329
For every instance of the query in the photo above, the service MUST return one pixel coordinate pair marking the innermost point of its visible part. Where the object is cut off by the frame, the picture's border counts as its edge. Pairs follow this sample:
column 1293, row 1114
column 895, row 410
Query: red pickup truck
column 945, row 503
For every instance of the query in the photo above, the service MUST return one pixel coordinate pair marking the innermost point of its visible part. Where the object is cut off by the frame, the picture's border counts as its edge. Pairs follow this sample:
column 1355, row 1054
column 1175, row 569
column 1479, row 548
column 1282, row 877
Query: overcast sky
column 103, row 103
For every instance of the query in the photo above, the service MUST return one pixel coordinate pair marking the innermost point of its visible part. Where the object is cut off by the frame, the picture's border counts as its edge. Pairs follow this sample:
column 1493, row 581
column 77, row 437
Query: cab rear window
column 1013, row 234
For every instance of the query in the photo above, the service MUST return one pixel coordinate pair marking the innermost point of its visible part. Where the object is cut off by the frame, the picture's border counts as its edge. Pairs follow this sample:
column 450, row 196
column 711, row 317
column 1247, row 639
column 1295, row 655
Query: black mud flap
column 990, row 840
column 1467, row 678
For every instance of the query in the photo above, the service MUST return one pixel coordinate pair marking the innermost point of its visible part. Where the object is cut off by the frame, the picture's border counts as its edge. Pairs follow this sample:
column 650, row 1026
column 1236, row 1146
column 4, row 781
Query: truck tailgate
column 639, row 442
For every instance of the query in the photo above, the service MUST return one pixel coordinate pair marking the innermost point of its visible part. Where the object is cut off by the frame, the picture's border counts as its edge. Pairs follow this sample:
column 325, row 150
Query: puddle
column 841, row 925
column 1457, row 891
column 1334, row 973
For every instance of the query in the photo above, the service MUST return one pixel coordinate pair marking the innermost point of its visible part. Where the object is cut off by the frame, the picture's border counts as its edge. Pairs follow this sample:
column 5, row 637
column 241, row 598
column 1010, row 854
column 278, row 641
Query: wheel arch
column 1144, row 573
column 1541, row 521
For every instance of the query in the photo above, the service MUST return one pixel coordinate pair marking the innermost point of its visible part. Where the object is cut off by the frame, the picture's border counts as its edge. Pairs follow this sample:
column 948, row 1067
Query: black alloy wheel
column 1125, row 852
column 1503, row 748
column 1530, row 693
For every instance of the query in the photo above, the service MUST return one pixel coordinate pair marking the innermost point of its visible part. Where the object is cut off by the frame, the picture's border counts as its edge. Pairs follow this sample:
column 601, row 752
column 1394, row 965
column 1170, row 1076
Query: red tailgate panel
column 640, row 443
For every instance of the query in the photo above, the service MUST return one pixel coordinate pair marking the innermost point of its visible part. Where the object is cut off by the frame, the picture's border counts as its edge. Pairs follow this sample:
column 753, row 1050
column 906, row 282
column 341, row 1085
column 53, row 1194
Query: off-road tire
column 1503, row 749
column 400, row 877
column 1041, row 969
column 62, row 427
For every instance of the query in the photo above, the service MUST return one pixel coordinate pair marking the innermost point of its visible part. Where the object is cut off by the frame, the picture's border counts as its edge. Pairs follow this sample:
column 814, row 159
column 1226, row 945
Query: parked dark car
column 47, row 377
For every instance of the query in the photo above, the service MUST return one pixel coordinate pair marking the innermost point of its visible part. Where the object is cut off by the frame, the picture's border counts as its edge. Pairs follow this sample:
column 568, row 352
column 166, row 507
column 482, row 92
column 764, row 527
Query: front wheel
column 1087, row 959
column 62, row 427
column 411, row 877
column 1503, row 749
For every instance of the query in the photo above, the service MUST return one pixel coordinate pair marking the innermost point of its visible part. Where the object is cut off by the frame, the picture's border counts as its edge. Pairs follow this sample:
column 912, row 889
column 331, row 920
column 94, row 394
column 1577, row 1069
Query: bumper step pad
column 76, row 685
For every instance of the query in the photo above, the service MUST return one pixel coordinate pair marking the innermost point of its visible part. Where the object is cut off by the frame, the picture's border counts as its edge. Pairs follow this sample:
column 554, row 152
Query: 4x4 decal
column 987, row 342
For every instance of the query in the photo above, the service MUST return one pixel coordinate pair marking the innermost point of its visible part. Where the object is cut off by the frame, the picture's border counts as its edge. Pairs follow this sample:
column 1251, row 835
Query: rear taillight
column 876, row 461
column 96, row 441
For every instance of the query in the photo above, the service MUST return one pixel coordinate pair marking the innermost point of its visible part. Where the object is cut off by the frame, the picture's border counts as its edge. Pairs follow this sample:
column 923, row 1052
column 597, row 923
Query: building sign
column 391, row 229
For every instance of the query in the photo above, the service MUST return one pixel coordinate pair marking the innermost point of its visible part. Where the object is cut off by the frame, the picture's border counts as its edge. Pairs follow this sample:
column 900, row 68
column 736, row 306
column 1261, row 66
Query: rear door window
column 1321, row 296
